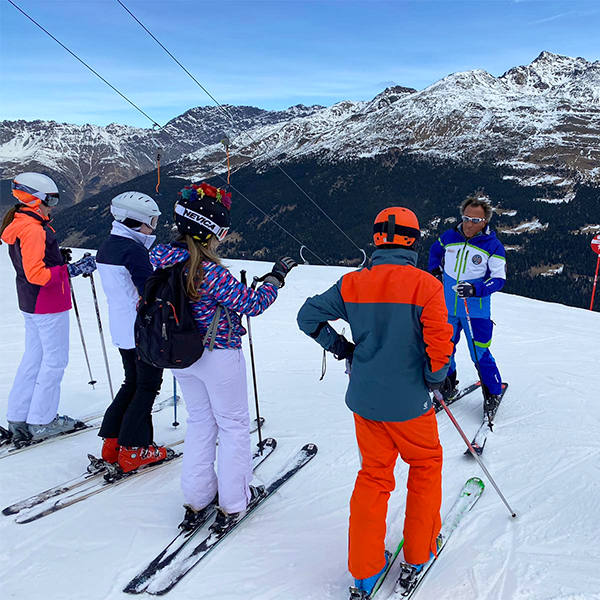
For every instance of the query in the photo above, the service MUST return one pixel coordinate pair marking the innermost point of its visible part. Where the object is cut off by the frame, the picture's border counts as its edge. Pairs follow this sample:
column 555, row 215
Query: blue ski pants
column 482, row 333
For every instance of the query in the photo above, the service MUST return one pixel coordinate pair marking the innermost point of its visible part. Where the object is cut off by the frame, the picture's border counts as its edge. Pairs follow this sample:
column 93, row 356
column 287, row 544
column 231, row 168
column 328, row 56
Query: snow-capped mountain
column 86, row 159
column 541, row 120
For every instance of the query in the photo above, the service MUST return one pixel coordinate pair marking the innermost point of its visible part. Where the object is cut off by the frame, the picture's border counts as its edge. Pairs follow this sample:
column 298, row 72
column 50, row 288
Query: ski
column 139, row 583
column 166, row 578
column 95, row 469
column 8, row 448
column 111, row 476
column 484, row 430
column 460, row 394
column 408, row 583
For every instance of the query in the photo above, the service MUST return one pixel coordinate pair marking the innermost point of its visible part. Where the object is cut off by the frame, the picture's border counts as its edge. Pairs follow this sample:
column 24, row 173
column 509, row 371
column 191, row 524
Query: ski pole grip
column 243, row 277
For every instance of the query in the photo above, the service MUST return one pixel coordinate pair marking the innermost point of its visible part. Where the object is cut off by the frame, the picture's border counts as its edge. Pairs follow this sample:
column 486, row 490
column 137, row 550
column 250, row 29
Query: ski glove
column 84, row 266
column 438, row 273
column 66, row 255
column 445, row 387
column 342, row 349
column 464, row 290
column 280, row 269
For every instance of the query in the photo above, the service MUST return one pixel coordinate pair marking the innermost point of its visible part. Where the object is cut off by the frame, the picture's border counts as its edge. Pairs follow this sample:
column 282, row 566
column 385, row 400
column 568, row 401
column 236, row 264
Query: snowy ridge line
column 167, row 578
column 139, row 583
column 469, row 495
column 528, row 117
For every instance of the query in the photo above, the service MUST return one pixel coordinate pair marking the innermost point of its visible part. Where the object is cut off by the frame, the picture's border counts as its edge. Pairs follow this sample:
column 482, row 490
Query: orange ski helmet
column 396, row 226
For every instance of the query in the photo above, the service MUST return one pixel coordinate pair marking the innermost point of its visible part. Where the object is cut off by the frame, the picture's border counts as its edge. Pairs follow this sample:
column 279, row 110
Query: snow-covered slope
column 542, row 120
column 544, row 454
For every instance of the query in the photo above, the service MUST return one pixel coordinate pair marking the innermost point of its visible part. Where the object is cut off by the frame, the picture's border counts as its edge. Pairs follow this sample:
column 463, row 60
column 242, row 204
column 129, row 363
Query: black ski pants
column 129, row 417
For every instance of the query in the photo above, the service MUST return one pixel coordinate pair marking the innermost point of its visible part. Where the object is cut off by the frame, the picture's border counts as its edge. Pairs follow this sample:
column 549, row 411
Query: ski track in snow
column 544, row 454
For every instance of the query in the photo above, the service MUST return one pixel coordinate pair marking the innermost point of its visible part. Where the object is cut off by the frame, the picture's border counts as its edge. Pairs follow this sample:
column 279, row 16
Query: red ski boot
column 134, row 457
column 110, row 450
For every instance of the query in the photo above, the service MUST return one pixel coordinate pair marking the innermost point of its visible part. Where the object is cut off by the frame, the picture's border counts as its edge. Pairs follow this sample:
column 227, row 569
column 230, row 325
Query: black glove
column 343, row 349
column 280, row 269
column 464, row 290
column 438, row 273
column 66, row 255
column 445, row 387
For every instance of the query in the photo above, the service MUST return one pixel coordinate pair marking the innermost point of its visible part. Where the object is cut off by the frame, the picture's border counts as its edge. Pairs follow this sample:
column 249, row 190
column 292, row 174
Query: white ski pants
column 35, row 393
column 216, row 397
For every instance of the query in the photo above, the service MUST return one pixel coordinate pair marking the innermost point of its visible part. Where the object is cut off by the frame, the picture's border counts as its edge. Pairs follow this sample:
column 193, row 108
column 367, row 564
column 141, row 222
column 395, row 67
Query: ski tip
column 268, row 443
column 310, row 449
column 474, row 483
column 8, row 511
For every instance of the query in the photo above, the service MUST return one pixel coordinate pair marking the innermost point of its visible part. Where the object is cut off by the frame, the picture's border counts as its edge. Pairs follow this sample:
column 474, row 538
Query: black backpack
column 166, row 335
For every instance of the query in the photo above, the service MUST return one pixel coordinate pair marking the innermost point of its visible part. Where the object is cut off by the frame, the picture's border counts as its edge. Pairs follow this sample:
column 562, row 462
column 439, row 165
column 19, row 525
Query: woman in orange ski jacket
column 44, row 294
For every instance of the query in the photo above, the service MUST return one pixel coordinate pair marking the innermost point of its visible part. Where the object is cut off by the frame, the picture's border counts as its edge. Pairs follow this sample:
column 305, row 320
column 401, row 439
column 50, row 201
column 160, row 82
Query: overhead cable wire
column 162, row 128
column 186, row 71
column 242, row 131
column 85, row 64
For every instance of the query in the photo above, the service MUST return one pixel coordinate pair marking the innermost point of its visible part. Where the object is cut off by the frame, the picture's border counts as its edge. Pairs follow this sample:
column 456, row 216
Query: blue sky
column 267, row 54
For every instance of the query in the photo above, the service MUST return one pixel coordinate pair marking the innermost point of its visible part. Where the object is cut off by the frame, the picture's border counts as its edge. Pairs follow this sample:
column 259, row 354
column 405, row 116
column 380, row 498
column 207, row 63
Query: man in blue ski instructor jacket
column 471, row 262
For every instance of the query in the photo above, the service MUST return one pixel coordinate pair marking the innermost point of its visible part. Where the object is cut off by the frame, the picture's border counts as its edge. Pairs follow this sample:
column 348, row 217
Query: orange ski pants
column 418, row 444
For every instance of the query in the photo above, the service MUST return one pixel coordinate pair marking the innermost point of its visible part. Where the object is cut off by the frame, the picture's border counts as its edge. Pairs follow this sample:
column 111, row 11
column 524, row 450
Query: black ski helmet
column 203, row 212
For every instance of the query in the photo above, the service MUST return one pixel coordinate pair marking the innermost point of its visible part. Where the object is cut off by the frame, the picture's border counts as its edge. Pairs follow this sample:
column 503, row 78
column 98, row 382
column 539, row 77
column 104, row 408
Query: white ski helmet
column 137, row 206
column 33, row 189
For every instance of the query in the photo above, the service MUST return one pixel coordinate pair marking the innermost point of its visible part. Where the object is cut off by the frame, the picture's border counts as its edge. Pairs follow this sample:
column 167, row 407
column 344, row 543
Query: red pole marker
column 596, row 248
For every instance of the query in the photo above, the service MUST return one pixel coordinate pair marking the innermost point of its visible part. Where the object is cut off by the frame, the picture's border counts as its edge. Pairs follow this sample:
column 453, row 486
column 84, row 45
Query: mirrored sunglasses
column 475, row 220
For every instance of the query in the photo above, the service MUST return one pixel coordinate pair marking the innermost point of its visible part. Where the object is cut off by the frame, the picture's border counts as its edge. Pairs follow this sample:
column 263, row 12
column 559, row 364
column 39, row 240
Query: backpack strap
column 229, row 323
column 211, row 333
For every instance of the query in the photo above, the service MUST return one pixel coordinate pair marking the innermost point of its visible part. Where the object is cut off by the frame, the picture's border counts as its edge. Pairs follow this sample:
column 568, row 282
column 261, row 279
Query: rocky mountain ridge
column 540, row 121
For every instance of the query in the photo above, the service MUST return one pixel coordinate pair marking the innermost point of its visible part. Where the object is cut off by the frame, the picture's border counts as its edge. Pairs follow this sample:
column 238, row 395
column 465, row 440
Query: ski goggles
column 46, row 199
column 475, row 220
column 153, row 221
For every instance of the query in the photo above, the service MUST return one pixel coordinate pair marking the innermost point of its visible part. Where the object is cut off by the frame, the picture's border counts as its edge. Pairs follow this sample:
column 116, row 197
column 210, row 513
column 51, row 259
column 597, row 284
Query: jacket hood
column 22, row 219
column 137, row 236
column 394, row 256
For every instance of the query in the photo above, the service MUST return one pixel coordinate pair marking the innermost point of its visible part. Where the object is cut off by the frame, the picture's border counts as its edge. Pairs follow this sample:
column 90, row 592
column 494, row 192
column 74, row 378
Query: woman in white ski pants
column 216, row 397
column 214, row 387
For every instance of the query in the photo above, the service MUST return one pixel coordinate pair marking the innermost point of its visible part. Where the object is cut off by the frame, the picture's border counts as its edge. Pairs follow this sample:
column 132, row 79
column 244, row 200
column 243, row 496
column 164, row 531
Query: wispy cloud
column 569, row 13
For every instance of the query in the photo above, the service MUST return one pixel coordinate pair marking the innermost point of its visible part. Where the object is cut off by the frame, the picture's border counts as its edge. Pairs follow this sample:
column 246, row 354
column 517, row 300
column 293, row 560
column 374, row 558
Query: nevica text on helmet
column 203, row 221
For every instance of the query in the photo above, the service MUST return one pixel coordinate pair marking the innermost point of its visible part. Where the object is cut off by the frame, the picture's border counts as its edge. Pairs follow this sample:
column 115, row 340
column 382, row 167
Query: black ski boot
column 225, row 521
column 196, row 518
column 490, row 406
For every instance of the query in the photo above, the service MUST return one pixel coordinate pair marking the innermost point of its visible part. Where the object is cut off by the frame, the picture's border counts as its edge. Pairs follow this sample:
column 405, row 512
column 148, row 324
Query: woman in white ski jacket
column 214, row 387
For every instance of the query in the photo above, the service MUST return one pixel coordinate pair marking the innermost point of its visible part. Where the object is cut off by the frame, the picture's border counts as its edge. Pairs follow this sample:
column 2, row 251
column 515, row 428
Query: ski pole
column 92, row 381
column 440, row 399
column 484, row 389
column 260, row 442
column 175, row 423
column 112, row 395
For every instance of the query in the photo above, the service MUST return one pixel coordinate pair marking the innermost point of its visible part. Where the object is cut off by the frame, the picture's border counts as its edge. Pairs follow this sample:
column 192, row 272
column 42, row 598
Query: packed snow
column 544, row 454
